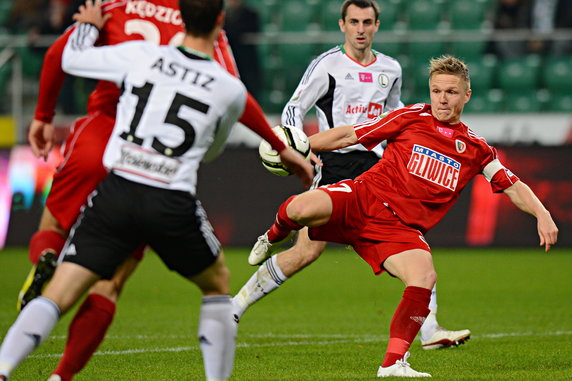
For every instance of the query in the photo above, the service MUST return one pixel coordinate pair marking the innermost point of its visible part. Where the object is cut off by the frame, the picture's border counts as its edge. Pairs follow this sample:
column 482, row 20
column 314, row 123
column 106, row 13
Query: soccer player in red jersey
column 81, row 169
column 384, row 213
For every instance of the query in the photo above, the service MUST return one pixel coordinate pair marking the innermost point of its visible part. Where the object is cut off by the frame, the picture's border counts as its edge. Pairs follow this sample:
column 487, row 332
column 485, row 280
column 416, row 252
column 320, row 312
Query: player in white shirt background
column 347, row 84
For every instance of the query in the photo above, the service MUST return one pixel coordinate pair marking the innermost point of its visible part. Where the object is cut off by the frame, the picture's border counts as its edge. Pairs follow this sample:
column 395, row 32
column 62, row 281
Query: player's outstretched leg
column 266, row 279
column 93, row 319
column 275, row 271
column 434, row 336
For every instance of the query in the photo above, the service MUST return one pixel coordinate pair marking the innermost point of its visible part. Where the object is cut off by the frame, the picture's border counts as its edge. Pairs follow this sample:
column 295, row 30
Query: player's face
column 449, row 94
column 359, row 26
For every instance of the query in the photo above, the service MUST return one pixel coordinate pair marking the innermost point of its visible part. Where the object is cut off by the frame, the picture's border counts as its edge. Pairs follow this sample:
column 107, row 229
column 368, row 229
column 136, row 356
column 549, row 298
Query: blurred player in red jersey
column 384, row 213
column 81, row 170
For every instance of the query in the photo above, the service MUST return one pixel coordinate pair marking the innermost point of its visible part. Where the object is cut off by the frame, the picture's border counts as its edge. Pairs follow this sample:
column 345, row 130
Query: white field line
column 310, row 340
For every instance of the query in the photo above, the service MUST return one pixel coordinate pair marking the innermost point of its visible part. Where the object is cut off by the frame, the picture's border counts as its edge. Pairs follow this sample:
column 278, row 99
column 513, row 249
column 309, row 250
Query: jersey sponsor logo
column 147, row 164
column 349, row 77
column 434, row 167
column 161, row 13
column 383, row 80
column 460, row 146
column 365, row 77
column 373, row 110
column 445, row 131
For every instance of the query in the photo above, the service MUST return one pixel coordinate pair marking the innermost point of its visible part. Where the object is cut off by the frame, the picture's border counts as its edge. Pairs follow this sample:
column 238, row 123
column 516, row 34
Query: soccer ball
column 291, row 136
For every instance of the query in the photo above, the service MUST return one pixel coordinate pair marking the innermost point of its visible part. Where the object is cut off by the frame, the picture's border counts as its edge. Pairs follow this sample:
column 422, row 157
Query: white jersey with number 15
column 176, row 107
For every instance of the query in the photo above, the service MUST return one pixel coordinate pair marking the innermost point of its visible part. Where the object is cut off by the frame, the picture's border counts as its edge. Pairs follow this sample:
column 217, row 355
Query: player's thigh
column 311, row 208
column 49, row 222
column 307, row 247
column 414, row 267
column 68, row 284
column 107, row 232
column 81, row 168
column 111, row 289
column 181, row 234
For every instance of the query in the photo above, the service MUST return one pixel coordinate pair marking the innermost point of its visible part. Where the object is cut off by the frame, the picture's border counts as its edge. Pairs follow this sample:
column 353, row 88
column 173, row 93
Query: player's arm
column 253, row 117
column 312, row 87
column 41, row 132
column 524, row 198
column 334, row 138
column 394, row 97
column 110, row 63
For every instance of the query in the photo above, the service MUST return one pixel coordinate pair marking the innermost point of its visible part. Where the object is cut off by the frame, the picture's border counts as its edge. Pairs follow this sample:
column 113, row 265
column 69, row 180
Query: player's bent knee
column 109, row 289
column 312, row 208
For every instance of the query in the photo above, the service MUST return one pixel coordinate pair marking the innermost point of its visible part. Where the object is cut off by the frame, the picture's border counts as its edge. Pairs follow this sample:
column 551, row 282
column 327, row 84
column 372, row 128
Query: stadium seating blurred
column 296, row 31
column 527, row 84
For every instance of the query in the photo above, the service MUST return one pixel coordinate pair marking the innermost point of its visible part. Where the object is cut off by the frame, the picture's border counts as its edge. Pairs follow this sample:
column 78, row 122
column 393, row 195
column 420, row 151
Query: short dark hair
column 360, row 4
column 200, row 16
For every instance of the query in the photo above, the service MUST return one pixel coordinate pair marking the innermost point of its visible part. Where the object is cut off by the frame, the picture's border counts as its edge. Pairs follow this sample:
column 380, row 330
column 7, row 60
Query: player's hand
column 90, row 13
column 299, row 166
column 316, row 160
column 547, row 231
column 41, row 138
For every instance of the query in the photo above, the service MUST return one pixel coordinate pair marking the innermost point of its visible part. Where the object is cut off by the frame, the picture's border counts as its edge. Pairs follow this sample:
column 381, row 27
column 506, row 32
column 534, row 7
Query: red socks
column 44, row 240
column 406, row 322
column 86, row 332
column 283, row 224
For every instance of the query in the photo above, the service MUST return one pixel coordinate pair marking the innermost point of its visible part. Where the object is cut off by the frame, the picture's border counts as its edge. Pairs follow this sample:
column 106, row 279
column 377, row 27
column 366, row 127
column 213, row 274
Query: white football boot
column 443, row 338
column 401, row 368
column 260, row 251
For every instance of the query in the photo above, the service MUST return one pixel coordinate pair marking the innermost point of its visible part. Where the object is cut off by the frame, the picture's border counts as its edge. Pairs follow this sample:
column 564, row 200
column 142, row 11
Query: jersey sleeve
column 313, row 86
column 223, row 54
column 253, row 118
column 228, row 119
column 496, row 173
column 51, row 79
column 372, row 132
column 394, row 97
column 110, row 63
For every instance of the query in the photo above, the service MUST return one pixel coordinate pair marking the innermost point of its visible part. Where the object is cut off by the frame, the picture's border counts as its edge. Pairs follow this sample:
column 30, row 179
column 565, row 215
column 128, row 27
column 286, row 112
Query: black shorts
column 122, row 215
column 342, row 166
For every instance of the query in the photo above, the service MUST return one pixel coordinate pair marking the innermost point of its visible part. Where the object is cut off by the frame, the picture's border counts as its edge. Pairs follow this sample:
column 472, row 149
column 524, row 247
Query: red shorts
column 81, row 168
column 363, row 221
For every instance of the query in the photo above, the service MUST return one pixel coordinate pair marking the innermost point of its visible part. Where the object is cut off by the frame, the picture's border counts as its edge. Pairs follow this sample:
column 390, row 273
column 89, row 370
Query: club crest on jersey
column 383, row 80
column 434, row 167
column 365, row 77
column 460, row 146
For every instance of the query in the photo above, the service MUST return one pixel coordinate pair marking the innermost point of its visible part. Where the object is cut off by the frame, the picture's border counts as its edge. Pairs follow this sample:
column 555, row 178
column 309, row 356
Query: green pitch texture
column 331, row 321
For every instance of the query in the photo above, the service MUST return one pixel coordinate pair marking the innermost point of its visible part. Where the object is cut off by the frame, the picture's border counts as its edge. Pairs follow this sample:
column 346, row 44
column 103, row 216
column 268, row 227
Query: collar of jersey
column 351, row 58
column 194, row 54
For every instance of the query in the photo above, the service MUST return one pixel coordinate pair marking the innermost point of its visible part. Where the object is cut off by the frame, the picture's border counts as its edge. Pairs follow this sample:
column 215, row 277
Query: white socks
column 430, row 326
column 217, row 336
column 33, row 325
column 266, row 279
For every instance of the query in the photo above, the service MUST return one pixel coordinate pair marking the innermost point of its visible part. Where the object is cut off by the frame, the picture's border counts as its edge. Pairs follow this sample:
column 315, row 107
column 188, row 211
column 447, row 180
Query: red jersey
column 152, row 20
column 426, row 164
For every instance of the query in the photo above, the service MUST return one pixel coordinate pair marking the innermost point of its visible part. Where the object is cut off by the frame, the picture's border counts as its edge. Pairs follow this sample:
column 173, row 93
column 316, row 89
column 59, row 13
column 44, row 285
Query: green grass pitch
column 331, row 321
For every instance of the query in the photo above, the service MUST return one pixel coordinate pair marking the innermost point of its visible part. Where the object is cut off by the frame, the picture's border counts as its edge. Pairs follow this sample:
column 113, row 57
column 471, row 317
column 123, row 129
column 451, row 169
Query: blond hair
column 450, row 65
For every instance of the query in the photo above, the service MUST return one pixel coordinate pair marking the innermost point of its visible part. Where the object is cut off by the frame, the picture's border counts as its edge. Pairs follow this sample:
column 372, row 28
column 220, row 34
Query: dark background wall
column 241, row 199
